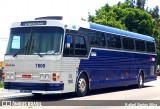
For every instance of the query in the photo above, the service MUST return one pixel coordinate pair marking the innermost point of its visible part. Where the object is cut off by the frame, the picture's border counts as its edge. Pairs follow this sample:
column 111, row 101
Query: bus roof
column 50, row 21
column 120, row 32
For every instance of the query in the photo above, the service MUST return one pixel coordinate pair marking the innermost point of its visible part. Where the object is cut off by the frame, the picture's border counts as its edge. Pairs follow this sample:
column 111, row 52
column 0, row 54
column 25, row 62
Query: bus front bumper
column 44, row 88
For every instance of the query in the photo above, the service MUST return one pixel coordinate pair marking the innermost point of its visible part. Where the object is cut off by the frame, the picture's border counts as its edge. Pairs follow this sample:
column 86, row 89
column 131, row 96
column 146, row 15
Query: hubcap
column 140, row 80
column 82, row 84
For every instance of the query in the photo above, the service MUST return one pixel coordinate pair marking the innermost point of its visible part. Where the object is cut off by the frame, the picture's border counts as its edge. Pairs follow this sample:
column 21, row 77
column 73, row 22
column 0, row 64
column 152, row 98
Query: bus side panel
column 68, row 76
column 110, row 68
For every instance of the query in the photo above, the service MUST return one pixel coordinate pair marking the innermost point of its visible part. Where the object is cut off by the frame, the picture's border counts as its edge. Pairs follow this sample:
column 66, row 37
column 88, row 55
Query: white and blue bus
column 51, row 55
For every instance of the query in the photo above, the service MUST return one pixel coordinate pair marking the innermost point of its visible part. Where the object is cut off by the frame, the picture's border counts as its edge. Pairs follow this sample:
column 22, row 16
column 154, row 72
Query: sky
column 21, row 10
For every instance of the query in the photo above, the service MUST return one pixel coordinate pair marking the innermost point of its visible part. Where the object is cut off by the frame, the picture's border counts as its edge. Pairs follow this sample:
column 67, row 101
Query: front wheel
column 82, row 85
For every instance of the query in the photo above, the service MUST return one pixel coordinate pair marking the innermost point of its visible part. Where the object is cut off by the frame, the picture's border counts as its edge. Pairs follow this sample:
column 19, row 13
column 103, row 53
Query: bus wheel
column 37, row 94
column 140, row 81
column 82, row 85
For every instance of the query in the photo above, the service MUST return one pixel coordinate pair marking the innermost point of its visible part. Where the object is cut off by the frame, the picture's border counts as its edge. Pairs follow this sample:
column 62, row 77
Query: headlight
column 41, row 76
column 44, row 76
column 7, row 76
column 47, row 76
column 10, row 75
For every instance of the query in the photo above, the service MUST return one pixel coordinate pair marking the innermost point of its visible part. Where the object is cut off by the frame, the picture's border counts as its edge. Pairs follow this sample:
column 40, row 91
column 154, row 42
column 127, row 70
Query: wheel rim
column 140, row 80
column 82, row 84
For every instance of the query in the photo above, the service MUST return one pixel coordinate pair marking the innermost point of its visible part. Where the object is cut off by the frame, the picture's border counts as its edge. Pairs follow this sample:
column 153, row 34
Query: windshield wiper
column 20, row 51
column 34, row 47
column 37, row 51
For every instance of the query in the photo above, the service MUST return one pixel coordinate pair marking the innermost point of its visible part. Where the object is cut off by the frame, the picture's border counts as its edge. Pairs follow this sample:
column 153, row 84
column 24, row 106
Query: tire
column 82, row 85
column 140, row 81
column 37, row 94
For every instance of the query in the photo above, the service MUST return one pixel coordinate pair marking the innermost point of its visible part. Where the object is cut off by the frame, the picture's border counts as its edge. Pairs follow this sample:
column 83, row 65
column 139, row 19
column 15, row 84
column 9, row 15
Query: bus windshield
column 35, row 40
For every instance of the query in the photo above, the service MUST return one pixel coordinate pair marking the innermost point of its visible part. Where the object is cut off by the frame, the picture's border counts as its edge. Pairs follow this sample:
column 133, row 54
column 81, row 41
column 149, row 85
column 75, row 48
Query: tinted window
column 92, row 38
column 76, row 41
column 113, row 41
column 150, row 47
column 82, row 42
column 96, row 39
column 77, row 47
column 128, row 43
column 80, row 46
column 101, row 40
column 140, row 45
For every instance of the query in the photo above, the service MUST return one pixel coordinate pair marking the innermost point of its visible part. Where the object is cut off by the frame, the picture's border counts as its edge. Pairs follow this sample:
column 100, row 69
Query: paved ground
column 151, row 91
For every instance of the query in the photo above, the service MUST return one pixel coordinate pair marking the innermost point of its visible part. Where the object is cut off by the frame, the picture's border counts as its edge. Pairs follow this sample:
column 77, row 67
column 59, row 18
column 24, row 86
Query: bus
column 51, row 55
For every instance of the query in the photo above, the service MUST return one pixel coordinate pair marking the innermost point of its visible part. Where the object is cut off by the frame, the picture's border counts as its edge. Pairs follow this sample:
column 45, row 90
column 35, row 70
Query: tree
column 132, row 3
column 155, row 12
column 141, row 4
column 124, row 17
column 107, row 16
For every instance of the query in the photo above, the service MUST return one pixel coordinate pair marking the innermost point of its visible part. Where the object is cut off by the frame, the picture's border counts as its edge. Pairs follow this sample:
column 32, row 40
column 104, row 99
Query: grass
column 1, row 85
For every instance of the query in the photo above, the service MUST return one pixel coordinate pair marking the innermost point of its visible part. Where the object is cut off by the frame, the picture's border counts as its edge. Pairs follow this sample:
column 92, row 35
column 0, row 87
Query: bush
column 1, row 85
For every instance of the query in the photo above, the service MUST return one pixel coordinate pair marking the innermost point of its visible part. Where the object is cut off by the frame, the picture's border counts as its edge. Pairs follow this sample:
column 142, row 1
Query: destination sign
column 32, row 23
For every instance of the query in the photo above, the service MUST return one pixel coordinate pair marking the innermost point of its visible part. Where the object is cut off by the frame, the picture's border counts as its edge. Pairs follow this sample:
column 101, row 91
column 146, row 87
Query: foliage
column 155, row 12
column 123, row 17
column 107, row 16
column 1, row 85
column 158, row 59
column 141, row 4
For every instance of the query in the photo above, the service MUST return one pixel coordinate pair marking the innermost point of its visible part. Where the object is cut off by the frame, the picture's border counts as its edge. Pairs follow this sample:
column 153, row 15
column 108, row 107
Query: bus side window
column 77, row 47
column 80, row 46
column 128, row 43
column 113, row 41
column 102, row 42
column 150, row 47
column 140, row 45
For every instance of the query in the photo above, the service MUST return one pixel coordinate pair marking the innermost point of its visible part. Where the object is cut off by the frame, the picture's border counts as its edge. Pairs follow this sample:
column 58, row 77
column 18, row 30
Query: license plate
column 25, row 91
column 26, row 76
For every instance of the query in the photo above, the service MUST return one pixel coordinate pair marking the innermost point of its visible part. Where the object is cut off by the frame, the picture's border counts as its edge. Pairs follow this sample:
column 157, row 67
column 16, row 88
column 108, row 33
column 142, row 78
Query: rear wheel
column 37, row 94
column 140, row 81
column 82, row 85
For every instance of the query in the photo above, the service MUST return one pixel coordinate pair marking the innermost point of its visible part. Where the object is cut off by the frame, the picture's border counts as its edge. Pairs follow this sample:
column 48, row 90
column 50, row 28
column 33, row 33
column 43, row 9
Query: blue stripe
column 120, row 32
column 34, row 86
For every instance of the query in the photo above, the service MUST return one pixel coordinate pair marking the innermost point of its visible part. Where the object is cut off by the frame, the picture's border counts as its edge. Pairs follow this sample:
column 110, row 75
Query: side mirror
column 68, row 41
